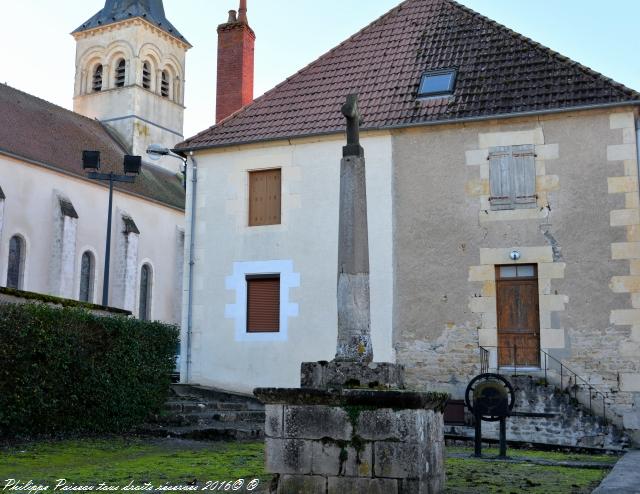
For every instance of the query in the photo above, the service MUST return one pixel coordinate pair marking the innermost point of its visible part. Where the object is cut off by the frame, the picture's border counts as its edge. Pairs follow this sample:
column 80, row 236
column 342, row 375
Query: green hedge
column 65, row 370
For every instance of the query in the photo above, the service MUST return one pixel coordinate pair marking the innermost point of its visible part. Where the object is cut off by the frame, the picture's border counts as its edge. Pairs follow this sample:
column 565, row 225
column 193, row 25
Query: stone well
column 354, row 440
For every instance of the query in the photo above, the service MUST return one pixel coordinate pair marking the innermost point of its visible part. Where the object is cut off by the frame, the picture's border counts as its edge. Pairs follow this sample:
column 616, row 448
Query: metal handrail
column 573, row 376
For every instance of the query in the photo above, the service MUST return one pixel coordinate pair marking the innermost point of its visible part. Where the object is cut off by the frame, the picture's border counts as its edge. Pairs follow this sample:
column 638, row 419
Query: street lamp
column 157, row 151
column 91, row 164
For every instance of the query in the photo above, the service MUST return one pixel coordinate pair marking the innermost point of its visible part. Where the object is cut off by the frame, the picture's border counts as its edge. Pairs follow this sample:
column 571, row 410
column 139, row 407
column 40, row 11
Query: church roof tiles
column 498, row 73
column 35, row 130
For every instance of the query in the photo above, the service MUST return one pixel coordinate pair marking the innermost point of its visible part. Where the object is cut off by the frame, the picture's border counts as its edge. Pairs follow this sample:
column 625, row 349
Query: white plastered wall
column 304, row 247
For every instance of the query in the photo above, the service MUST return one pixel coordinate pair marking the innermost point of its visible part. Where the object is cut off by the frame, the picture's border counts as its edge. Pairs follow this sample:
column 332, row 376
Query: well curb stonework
column 355, row 448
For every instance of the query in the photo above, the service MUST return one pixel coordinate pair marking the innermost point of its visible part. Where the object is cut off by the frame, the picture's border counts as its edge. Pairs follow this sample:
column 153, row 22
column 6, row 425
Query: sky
column 38, row 54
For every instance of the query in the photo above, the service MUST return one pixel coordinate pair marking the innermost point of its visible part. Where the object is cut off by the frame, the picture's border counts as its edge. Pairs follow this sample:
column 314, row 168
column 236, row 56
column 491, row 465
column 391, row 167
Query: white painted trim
column 238, row 311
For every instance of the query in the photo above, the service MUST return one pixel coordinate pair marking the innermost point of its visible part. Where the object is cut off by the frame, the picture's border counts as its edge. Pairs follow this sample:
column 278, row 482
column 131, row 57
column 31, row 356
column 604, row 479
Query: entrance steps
column 562, row 419
column 198, row 412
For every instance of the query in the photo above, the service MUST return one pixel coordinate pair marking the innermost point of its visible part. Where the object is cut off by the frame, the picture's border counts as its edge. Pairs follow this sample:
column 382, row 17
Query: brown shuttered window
column 263, row 304
column 264, row 197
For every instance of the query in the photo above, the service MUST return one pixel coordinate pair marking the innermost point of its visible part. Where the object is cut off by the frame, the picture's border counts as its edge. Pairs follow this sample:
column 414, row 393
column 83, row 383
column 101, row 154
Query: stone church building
column 129, row 93
column 503, row 209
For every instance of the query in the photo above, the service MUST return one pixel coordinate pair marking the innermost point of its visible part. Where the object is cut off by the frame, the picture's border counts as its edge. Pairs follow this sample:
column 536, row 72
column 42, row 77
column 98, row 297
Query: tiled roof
column 117, row 10
column 499, row 72
column 36, row 130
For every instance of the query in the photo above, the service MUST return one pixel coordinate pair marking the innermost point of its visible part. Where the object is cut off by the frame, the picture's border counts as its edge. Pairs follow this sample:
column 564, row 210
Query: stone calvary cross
column 354, row 314
column 352, row 427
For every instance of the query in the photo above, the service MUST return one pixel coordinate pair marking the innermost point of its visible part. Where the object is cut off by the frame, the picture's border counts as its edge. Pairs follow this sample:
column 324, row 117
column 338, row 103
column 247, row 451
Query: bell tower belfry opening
column 130, row 73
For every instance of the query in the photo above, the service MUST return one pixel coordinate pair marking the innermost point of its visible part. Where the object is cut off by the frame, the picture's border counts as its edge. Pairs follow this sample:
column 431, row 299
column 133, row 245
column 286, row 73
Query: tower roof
column 120, row 10
column 499, row 73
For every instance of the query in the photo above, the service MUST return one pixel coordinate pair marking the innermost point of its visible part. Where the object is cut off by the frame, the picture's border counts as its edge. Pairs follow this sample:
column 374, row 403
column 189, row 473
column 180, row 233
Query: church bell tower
column 130, row 73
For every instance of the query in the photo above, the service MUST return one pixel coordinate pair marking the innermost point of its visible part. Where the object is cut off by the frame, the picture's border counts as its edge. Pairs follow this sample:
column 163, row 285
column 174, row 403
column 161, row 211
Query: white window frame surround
column 238, row 283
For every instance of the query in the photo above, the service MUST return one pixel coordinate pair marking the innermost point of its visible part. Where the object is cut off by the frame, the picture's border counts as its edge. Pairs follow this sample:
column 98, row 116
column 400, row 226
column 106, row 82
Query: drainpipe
column 192, row 234
column 638, row 149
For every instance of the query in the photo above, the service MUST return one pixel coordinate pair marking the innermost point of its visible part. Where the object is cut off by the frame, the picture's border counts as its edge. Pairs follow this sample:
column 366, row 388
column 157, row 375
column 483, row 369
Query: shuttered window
column 121, row 72
column 263, row 304
column 146, row 75
column 264, row 197
column 512, row 177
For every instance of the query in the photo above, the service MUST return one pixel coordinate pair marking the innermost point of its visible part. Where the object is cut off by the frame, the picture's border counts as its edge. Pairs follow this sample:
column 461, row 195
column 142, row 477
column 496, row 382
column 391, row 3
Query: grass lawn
column 470, row 475
column 119, row 461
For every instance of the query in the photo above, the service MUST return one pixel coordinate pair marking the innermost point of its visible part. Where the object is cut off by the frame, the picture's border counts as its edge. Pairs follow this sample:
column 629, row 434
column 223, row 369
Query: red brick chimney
column 236, row 42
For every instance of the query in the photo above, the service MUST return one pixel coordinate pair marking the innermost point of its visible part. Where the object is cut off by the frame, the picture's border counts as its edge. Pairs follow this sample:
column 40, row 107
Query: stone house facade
column 502, row 186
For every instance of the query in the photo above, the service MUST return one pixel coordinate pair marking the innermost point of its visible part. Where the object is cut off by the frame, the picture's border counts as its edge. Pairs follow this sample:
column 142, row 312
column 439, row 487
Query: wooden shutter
column 264, row 197
column 524, row 175
column 263, row 304
column 512, row 177
column 500, row 182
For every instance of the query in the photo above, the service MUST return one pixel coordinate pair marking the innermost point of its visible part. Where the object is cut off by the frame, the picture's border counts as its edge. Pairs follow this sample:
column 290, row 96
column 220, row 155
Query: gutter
column 192, row 243
column 418, row 124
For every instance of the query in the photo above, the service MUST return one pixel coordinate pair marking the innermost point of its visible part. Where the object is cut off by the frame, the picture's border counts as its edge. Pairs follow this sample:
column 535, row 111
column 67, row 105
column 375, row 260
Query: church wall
column 582, row 235
column 29, row 190
column 303, row 249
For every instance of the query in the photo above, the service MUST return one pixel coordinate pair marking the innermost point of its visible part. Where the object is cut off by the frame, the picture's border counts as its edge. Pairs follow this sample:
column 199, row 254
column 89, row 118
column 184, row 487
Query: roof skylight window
column 437, row 83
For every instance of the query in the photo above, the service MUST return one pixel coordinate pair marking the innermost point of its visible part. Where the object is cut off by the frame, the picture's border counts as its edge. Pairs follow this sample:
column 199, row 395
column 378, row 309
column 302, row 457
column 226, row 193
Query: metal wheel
column 488, row 377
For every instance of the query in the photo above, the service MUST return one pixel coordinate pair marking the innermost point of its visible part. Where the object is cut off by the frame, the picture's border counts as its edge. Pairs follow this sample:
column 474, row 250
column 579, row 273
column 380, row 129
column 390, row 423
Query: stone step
column 190, row 392
column 245, row 416
column 216, row 431
column 185, row 406
column 562, row 420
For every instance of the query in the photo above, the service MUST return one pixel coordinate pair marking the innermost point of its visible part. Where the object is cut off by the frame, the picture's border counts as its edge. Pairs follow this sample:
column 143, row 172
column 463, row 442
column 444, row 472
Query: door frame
column 499, row 278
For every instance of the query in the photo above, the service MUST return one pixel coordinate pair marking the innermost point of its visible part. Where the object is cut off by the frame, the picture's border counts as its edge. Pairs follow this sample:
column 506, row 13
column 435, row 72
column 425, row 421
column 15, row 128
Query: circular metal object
column 514, row 255
column 492, row 389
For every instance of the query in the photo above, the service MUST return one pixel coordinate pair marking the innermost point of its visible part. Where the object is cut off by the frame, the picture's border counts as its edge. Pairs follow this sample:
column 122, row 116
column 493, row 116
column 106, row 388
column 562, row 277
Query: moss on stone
column 64, row 302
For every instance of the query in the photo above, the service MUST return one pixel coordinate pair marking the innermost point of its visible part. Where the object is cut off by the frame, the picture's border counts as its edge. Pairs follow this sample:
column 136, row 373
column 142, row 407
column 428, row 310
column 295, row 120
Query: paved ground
column 624, row 478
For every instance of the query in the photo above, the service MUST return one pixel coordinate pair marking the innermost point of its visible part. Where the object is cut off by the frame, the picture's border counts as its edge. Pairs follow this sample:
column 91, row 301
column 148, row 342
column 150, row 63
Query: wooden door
column 518, row 315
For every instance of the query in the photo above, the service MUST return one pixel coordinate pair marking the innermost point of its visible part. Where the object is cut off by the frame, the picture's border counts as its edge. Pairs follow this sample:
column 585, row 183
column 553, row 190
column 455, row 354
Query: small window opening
column 164, row 89
column 144, row 310
column 146, row 75
column 437, row 82
column 96, row 84
column 15, row 271
column 517, row 271
column 87, row 273
column 121, row 71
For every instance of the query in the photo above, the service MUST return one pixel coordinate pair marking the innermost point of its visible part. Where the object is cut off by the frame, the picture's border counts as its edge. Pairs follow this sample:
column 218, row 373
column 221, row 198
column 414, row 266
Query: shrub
column 66, row 370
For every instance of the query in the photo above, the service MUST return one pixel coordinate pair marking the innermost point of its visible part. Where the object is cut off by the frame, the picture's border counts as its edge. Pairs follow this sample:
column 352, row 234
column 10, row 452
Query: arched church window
column 164, row 88
column 146, row 75
column 87, row 273
column 121, row 71
column 144, row 309
column 96, row 83
column 15, row 271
